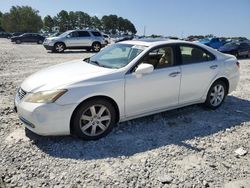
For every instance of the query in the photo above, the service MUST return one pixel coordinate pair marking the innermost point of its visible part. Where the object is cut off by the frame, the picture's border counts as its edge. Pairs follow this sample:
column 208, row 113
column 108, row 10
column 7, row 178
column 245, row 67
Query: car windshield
column 65, row 34
column 117, row 55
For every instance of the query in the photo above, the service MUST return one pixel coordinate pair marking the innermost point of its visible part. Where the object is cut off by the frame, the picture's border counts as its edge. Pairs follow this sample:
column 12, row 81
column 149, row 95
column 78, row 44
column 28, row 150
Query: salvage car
column 28, row 37
column 238, row 49
column 124, row 81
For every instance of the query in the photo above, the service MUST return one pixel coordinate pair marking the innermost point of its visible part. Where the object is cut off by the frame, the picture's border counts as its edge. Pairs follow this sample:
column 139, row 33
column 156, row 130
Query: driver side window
column 160, row 58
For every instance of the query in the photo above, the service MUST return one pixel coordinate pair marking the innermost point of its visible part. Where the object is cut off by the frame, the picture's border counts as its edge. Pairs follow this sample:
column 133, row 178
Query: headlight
column 45, row 96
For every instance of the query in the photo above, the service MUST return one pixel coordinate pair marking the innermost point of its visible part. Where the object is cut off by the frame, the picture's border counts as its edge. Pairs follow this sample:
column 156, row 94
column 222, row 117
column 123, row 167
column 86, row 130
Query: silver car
column 76, row 39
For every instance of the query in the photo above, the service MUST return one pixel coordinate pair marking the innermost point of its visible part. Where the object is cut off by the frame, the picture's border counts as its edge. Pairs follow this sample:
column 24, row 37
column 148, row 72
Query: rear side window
column 192, row 54
column 96, row 34
column 83, row 34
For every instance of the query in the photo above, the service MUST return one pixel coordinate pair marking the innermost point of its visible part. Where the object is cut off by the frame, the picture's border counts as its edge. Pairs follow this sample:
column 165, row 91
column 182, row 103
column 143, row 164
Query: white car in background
column 126, row 80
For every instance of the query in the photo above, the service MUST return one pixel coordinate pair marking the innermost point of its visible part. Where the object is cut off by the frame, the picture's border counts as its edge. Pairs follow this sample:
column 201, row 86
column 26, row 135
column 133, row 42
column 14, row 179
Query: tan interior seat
column 167, row 58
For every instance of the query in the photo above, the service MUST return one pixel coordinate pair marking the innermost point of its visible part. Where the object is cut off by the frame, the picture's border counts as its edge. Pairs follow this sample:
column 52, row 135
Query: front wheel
column 59, row 47
column 93, row 119
column 216, row 95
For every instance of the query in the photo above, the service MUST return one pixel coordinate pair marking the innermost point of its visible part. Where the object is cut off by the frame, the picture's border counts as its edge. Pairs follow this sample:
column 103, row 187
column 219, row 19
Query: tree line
column 27, row 19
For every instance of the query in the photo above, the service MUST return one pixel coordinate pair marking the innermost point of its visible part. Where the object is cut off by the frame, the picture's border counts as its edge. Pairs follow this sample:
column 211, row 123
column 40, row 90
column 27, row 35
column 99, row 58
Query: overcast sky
column 164, row 17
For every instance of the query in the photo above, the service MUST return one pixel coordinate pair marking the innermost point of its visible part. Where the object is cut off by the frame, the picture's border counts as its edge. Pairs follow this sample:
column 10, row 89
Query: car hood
column 52, row 38
column 61, row 75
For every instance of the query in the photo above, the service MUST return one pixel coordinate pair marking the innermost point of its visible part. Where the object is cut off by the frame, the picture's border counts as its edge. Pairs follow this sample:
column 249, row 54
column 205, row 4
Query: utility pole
column 144, row 31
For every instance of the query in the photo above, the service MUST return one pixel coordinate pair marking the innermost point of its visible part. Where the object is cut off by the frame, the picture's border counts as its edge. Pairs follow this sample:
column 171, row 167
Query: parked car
column 5, row 35
column 28, row 37
column 76, row 39
column 214, row 42
column 107, row 38
column 124, row 38
column 125, row 80
column 238, row 49
column 15, row 34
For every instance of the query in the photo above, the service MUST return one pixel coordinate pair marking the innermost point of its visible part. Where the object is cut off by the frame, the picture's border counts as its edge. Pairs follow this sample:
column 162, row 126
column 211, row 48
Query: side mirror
column 68, row 36
column 144, row 68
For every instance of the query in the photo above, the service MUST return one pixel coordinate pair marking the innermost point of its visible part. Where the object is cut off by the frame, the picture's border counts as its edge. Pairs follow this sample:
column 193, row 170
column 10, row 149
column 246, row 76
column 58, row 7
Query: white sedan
column 126, row 80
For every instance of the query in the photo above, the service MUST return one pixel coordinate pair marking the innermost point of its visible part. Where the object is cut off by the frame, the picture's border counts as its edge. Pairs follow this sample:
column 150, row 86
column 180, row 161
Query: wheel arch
column 225, row 80
column 96, row 42
column 109, row 99
column 59, row 42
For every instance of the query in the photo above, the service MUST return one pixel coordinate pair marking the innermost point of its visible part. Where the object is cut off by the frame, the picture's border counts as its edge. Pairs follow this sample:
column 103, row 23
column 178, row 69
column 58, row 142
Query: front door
column 156, row 90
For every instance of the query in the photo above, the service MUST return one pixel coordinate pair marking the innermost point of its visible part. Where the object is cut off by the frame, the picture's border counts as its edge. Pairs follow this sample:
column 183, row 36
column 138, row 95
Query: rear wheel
column 93, row 119
column 216, row 95
column 59, row 47
column 96, row 46
column 39, row 42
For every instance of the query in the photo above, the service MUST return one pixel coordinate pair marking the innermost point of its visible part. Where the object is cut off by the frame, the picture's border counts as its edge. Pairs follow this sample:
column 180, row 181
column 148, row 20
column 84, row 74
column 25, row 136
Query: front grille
column 21, row 93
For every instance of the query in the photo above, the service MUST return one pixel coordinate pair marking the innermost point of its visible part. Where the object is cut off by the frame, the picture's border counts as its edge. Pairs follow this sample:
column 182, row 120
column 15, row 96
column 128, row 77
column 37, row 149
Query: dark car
column 16, row 34
column 5, row 35
column 238, row 49
column 28, row 37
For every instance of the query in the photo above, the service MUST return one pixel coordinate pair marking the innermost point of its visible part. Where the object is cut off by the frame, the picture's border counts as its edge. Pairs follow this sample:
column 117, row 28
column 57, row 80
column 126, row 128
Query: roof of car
column 152, row 42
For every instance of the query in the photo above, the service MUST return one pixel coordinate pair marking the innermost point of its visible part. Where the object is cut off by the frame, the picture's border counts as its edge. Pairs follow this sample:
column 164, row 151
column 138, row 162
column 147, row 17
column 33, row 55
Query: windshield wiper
column 98, row 64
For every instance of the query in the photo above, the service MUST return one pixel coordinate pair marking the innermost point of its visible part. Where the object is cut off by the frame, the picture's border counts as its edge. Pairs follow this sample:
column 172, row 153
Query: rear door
column 84, row 39
column 198, row 68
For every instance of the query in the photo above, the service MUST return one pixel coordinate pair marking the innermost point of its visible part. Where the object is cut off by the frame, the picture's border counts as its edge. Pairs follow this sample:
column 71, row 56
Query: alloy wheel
column 59, row 47
column 95, row 120
column 217, row 95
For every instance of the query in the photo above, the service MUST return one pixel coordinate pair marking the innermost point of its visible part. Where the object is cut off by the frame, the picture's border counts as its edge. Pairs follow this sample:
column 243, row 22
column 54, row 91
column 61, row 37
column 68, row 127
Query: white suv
column 75, row 39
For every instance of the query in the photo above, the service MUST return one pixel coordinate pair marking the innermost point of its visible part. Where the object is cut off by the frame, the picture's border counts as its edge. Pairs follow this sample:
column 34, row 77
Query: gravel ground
column 188, row 147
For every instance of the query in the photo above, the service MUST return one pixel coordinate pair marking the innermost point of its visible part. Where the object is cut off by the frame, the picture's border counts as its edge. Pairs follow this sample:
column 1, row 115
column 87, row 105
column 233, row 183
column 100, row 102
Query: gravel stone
column 187, row 147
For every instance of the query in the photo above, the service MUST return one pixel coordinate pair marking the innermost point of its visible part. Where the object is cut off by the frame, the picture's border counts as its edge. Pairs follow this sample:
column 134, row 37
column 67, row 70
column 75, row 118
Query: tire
column 87, row 120
column 96, row 46
column 59, row 47
column 248, row 54
column 88, row 49
column 216, row 95
column 18, row 41
column 236, row 54
column 39, row 42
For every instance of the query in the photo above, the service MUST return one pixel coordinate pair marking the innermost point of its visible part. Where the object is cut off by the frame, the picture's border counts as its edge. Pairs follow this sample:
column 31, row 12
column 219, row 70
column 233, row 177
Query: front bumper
column 47, row 47
column 45, row 119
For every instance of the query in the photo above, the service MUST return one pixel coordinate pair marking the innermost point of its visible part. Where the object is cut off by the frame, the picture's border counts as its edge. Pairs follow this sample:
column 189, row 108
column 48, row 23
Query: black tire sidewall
column 207, row 102
column 78, row 113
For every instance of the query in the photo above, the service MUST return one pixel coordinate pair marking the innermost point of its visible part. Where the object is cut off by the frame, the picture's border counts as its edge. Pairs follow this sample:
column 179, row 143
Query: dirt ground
column 188, row 147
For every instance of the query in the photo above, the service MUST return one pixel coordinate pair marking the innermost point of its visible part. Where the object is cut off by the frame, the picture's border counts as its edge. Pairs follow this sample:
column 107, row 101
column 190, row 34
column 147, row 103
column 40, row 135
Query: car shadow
column 73, row 52
column 151, row 132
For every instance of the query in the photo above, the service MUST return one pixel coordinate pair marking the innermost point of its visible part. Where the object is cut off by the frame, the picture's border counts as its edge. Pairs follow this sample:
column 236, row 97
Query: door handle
column 213, row 66
column 174, row 74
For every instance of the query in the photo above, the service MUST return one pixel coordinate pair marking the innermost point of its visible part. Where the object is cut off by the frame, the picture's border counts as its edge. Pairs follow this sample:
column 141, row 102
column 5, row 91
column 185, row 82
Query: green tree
column 114, row 24
column 96, row 23
column 48, row 23
column 23, row 19
column 62, row 20
column 1, row 15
